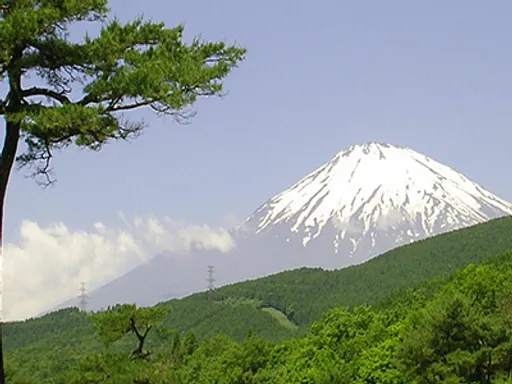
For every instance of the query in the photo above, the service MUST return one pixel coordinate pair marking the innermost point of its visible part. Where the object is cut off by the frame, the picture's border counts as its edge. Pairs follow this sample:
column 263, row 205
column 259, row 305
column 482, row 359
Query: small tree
column 130, row 66
column 112, row 324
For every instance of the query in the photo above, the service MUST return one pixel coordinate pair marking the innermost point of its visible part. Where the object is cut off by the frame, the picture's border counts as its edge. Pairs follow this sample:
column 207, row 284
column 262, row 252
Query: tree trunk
column 12, row 135
column 139, row 353
column 11, row 139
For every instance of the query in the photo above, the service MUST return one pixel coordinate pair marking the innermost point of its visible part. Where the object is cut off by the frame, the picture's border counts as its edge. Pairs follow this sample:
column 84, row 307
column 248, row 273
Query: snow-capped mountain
column 368, row 199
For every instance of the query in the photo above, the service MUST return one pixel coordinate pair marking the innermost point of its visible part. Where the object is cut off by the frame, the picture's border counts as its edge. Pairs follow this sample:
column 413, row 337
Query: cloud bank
column 46, row 265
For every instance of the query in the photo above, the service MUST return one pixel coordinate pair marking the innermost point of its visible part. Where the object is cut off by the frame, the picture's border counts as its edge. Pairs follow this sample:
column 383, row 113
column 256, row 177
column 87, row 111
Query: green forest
column 436, row 311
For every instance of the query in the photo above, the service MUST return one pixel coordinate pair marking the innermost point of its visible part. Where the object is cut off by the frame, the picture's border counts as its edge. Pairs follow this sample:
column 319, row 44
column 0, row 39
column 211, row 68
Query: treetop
column 125, row 67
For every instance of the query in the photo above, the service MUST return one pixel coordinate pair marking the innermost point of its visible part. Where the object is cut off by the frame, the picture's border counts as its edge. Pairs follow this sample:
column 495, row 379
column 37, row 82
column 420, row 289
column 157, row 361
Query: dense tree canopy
column 301, row 296
column 458, row 332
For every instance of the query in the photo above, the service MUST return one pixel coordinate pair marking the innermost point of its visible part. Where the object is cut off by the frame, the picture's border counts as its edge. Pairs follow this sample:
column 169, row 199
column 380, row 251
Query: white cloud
column 47, row 264
column 180, row 237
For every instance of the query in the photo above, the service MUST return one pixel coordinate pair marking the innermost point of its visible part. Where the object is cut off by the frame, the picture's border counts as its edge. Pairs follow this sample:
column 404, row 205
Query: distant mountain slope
column 365, row 201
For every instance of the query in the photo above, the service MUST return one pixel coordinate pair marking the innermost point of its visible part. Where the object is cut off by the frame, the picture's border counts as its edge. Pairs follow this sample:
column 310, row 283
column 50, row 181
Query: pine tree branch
column 126, row 107
column 88, row 99
column 140, row 64
column 36, row 91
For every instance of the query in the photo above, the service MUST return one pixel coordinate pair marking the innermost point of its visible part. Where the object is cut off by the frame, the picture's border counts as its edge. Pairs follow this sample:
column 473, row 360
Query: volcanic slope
column 366, row 200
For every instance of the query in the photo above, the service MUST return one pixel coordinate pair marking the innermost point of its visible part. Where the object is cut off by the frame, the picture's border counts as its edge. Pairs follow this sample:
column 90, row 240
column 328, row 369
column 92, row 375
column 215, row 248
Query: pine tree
column 86, row 86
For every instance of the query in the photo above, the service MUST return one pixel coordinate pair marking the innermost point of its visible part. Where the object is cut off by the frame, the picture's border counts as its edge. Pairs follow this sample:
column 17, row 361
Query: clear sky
column 318, row 77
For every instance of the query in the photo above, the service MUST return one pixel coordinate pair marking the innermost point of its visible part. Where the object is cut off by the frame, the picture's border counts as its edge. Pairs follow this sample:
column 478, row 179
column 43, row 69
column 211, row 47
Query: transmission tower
column 211, row 281
column 83, row 298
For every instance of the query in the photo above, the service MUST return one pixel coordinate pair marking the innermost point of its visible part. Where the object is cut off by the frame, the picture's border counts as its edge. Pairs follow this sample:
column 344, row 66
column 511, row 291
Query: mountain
column 366, row 200
column 371, row 198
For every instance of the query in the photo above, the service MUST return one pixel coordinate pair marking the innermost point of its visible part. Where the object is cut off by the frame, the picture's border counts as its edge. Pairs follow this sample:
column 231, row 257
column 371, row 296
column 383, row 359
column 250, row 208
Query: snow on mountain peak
column 365, row 201
column 380, row 186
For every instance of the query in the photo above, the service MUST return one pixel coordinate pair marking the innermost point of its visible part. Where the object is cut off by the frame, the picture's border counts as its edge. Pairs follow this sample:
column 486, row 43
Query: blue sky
column 318, row 77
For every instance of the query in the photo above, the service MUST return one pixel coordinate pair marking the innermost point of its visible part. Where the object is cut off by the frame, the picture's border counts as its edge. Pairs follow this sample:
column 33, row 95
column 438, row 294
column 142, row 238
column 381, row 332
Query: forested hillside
column 457, row 330
column 304, row 294
column 201, row 338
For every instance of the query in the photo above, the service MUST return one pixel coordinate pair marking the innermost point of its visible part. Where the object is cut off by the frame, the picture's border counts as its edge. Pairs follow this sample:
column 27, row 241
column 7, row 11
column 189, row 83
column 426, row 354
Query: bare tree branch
column 40, row 152
column 41, row 165
column 181, row 117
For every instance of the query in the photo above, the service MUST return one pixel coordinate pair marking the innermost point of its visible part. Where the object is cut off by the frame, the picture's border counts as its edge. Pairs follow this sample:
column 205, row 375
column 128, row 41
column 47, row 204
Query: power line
column 83, row 298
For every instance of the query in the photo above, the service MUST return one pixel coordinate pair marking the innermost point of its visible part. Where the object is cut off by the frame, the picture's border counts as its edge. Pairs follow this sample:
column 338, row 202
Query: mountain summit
column 367, row 200
column 370, row 198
